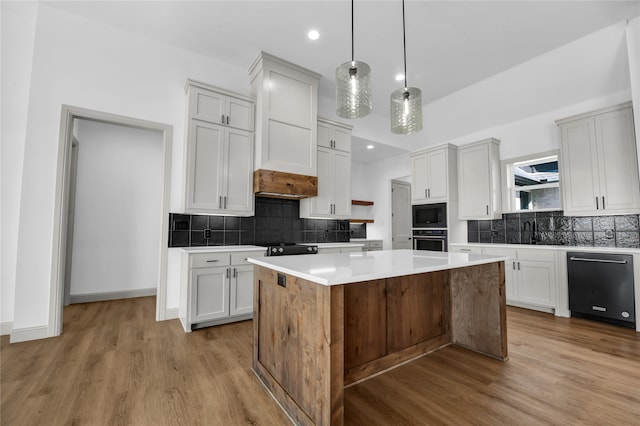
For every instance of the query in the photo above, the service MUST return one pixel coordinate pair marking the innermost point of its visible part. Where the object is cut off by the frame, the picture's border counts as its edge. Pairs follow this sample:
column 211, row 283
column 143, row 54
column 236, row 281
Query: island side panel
column 417, row 307
column 478, row 309
column 298, row 346
column 365, row 322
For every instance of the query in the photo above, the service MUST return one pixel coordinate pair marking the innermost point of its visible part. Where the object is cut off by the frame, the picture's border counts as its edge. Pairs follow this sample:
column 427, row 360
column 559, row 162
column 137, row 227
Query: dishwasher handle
column 584, row 259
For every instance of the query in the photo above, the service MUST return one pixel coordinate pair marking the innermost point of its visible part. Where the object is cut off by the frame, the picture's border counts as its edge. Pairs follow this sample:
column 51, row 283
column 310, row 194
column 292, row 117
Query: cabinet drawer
column 200, row 260
column 241, row 257
column 537, row 255
column 499, row 251
column 465, row 249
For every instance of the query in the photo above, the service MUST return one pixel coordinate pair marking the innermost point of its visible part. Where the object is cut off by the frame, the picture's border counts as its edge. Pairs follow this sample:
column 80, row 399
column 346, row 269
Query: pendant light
column 406, row 103
column 353, row 86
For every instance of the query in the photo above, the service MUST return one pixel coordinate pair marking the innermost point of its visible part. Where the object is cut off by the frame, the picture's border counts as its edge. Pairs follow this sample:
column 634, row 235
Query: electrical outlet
column 207, row 233
column 608, row 234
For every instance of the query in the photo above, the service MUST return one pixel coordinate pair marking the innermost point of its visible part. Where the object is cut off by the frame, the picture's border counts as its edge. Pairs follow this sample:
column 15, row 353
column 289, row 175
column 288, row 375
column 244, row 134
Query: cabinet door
column 324, row 135
column 208, row 106
column 240, row 114
column 579, row 174
column 241, row 301
column 618, row 165
column 341, row 177
column 419, row 178
column 436, row 162
column 474, row 182
column 205, row 167
column 209, row 294
column 536, row 282
column 342, row 139
column 321, row 204
column 239, row 172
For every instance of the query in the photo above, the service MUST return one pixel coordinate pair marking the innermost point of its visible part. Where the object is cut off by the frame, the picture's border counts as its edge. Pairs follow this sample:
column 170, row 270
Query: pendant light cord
column 404, row 43
column 352, row 55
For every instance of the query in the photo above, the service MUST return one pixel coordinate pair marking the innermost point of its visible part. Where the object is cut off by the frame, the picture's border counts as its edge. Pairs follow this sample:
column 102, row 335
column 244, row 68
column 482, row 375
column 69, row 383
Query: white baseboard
column 171, row 313
column 5, row 328
column 112, row 295
column 29, row 333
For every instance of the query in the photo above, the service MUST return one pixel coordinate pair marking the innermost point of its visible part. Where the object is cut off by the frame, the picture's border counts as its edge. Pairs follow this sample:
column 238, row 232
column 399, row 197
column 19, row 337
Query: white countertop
column 344, row 268
column 620, row 250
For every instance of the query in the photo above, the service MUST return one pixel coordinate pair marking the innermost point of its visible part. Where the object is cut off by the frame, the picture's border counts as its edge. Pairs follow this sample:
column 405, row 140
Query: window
column 532, row 183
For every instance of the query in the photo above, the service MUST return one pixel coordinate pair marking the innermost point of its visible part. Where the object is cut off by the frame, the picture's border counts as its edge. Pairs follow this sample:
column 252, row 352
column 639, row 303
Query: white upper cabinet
column 219, row 157
column 334, row 173
column 334, row 136
column 433, row 171
column 479, row 180
column 286, row 124
column 215, row 105
column 599, row 165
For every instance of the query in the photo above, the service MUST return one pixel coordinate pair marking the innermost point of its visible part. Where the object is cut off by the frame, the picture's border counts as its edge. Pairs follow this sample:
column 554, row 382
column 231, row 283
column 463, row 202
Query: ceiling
column 450, row 44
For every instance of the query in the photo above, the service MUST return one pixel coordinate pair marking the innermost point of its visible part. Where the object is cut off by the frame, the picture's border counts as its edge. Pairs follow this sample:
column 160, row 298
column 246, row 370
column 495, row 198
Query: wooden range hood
column 275, row 184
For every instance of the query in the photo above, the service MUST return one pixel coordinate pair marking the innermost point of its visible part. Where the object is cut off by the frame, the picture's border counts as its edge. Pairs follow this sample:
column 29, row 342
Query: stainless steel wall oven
column 430, row 239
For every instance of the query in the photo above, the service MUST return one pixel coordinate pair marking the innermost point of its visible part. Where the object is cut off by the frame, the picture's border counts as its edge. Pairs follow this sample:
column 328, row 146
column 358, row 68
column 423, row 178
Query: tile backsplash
column 554, row 228
column 275, row 221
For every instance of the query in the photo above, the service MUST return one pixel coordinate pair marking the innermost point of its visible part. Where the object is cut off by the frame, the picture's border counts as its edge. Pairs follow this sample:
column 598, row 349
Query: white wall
column 82, row 63
column 588, row 68
column 116, row 231
column 633, row 47
column 17, row 25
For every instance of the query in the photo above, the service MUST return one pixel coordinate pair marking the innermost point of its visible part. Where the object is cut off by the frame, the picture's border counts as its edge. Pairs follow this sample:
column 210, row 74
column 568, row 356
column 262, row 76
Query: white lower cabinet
column 530, row 274
column 212, row 295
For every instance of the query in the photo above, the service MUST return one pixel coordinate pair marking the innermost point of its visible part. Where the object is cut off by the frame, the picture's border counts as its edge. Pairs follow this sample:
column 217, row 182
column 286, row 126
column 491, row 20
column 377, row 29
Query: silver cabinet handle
column 464, row 249
column 235, row 274
column 585, row 259
column 225, row 201
column 487, row 209
column 425, row 193
column 429, row 192
column 603, row 207
column 212, row 261
column 597, row 207
column 514, row 266
column 227, row 119
column 518, row 266
column 220, row 202
column 222, row 119
column 227, row 272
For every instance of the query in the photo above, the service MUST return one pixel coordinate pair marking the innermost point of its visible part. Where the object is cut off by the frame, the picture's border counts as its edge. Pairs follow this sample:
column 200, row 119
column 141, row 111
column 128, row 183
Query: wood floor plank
column 115, row 365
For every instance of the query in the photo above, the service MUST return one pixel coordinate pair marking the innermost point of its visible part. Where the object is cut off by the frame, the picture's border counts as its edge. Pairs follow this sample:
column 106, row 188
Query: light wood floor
column 114, row 365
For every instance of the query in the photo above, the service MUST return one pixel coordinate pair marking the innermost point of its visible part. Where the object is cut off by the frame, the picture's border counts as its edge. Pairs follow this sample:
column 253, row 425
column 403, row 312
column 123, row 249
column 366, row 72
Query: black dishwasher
column 601, row 287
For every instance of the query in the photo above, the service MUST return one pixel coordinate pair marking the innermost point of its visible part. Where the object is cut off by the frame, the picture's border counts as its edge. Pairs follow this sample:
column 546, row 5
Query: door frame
column 60, row 218
column 400, row 181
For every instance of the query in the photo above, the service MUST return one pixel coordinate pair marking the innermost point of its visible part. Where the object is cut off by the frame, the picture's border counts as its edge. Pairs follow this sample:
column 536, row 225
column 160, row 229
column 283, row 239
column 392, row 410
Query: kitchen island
column 322, row 322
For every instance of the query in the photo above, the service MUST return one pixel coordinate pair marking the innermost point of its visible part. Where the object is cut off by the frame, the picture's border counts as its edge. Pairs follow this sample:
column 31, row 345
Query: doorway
column 73, row 120
column 401, row 215
column 115, row 192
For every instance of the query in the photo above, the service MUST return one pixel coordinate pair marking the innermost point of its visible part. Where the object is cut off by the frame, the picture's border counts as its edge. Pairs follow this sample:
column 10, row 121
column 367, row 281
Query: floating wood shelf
column 361, row 220
column 361, row 203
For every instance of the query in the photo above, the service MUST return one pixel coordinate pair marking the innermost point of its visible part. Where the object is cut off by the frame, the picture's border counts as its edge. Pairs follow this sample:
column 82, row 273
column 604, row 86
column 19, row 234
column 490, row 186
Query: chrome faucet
column 532, row 231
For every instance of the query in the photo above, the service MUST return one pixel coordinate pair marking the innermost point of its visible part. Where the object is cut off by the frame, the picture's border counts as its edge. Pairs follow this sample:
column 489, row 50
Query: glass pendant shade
column 406, row 110
column 353, row 90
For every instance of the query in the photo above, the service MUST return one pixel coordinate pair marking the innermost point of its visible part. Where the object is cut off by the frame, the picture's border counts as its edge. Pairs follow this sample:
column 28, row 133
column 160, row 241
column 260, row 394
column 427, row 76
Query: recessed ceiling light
column 313, row 35
column 399, row 77
column 369, row 146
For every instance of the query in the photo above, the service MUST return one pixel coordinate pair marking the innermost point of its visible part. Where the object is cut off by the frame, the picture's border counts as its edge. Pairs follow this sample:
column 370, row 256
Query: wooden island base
column 311, row 340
